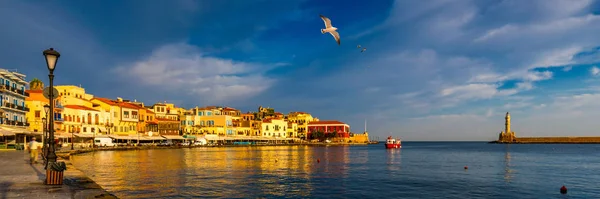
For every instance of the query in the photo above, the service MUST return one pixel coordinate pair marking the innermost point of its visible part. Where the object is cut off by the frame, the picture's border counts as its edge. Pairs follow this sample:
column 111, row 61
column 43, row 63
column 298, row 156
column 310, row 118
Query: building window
column 38, row 114
column 84, row 129
column 134, row 114
column 125, row 114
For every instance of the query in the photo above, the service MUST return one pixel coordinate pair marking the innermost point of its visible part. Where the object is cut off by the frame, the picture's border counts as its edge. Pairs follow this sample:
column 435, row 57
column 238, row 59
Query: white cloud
column 185, row 69
column 567, row 68
column 595, row 71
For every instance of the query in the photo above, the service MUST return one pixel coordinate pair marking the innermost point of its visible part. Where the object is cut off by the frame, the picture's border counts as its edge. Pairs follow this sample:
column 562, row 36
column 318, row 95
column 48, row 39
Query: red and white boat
column 392, row 143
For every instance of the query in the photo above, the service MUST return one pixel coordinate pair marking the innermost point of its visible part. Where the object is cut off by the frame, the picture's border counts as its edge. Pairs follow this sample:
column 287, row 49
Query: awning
column 4, row 132
column 213, row 137
column 122, row 137
column 173, row 137
column 154, row 138
column 102, row 129
column 62, row 135
column 189, row 137
column 84, row 135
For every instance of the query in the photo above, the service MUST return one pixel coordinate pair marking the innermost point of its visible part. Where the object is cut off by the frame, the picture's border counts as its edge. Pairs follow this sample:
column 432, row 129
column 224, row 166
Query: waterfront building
column 242, row 128
column 111, row 107
column 146, row 117
column 74, row 95
column 86, row 122
column 128, row 118
column 166, row 110
column 36, row 102
column 342, row 129
column 302, row 119
column 168, row 127
column 274, row 127
column 188, row 123
column 12, row 98
column 292, row 129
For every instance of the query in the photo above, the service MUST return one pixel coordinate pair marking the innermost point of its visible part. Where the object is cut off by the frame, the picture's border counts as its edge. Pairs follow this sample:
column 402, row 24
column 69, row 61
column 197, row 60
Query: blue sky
column 433, row 70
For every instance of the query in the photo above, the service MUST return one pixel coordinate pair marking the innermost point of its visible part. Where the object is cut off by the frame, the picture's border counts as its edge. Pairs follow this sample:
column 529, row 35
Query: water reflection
column 237, row 172
column 394, row 159
column 507, row 167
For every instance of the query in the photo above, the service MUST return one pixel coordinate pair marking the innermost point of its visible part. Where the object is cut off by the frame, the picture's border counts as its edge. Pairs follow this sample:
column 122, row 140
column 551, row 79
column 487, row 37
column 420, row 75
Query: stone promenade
column 19, row 179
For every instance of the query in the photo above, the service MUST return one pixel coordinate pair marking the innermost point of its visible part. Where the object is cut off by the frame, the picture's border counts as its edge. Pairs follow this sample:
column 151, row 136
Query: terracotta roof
column 267, row 120
column 34, row 91
column 128, row 105
column 106, row 100
column 229, row 109
column 149, row 111
column 278, row 113
column 326, row 122
column 80, row 107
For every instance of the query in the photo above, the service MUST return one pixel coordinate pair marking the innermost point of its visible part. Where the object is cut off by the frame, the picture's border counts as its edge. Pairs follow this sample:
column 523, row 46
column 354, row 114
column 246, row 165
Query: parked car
column 165, row 143
column 104, row 142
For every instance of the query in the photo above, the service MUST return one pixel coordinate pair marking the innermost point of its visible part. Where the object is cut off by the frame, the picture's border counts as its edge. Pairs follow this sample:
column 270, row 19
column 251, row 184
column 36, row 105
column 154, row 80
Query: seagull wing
column 336, row 35
column 327, row 21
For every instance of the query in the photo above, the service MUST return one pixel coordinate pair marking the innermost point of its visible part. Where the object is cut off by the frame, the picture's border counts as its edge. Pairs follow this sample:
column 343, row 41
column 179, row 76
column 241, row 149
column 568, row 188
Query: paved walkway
column 19, row 179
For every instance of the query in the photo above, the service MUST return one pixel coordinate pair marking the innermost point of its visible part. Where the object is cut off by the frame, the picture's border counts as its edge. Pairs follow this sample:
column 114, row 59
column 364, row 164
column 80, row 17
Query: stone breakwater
column 551, row 140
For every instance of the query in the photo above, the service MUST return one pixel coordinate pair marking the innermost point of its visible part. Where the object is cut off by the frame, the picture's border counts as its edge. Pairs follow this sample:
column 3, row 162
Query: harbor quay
column 19, row 179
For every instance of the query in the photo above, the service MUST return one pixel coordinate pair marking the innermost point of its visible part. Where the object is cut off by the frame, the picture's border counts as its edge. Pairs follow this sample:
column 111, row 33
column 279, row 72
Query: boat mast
column 365, row 125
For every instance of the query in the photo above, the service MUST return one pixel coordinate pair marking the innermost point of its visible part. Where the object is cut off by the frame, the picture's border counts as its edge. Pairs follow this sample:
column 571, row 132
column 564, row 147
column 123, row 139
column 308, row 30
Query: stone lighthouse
column 507, row 123
column 507, row 135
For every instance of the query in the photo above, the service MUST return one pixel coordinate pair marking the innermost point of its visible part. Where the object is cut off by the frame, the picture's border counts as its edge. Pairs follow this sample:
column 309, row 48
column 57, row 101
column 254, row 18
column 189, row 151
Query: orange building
column 35, row 103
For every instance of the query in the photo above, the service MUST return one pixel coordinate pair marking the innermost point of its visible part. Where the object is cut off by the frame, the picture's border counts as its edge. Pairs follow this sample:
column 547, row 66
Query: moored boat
column 392, row 143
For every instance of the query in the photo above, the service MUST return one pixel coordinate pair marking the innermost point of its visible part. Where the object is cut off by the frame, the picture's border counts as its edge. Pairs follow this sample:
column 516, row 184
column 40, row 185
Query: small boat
column 392, row 143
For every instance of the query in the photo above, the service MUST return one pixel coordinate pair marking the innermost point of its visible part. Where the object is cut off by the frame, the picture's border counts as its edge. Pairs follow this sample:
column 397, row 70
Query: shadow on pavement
column 41, row 176
column 4, row 187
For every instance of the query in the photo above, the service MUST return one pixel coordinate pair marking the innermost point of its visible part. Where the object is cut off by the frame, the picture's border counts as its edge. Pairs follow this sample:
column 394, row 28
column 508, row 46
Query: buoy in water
column 318, row 160
column 466, row 167
column 563, row 190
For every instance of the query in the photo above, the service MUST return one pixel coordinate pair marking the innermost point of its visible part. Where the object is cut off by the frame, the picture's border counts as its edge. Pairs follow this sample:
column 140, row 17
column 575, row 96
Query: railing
column 59, row 119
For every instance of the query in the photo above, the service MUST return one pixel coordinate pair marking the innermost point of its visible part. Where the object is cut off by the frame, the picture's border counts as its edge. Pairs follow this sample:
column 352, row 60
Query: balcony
column 58, row 119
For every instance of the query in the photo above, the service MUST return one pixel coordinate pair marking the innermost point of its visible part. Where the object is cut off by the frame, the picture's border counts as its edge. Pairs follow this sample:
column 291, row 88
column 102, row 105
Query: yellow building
column 36, row 102
column 274, row 128
column 292, row 129
column 74, row 95
column 242, row 128
column 302, row 119
column 128, row 118
column 84, row 120
column 166, row 110
column 111, row 107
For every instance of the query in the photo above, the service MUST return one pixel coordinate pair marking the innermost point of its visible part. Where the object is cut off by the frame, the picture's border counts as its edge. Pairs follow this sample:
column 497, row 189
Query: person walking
column 33, row 150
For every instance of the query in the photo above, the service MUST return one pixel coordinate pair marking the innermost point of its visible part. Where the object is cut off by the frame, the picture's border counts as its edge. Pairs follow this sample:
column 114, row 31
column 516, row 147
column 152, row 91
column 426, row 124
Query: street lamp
column 45, row 121
column 51, row 58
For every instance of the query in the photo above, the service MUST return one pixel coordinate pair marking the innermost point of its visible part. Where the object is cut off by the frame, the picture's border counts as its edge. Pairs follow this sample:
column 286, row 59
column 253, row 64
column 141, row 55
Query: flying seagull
column 363, row 50
column 358, row 46
column 330, row 29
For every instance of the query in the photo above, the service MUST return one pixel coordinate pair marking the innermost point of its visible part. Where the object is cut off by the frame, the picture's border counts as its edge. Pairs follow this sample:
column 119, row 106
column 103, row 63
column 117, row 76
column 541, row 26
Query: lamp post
column 45, row 141
column 51, row 58
column 44, row 138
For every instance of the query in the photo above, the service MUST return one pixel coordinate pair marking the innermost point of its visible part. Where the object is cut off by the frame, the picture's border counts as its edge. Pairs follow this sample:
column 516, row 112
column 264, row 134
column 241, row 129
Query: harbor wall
column 552, row 140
